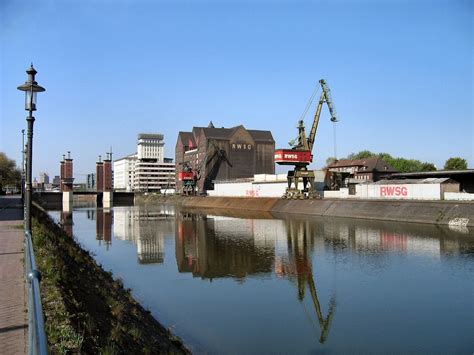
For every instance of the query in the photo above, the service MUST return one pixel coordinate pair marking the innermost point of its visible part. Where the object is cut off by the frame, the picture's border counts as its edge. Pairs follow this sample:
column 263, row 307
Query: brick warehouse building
column 227, row 153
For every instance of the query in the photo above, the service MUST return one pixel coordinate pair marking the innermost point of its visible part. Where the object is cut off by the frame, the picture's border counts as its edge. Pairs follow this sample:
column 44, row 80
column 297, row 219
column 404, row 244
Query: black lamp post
column 31, row 88
column 23, row 166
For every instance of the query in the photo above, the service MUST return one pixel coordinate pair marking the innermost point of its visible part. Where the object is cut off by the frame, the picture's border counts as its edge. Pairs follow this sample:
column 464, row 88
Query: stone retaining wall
column 439, row 212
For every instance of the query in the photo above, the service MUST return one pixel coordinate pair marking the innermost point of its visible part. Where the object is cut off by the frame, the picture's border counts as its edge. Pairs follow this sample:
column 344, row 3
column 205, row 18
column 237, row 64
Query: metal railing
column 37, row 343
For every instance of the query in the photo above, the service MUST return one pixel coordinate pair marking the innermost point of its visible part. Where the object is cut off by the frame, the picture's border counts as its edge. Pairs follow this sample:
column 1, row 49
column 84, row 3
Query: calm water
column 262, row 285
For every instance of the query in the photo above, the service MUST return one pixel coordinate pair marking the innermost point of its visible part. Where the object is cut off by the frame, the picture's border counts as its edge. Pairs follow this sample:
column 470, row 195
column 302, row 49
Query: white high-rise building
column 147, row 169
column 44, row 178
column 124, row 173
column 150, row 146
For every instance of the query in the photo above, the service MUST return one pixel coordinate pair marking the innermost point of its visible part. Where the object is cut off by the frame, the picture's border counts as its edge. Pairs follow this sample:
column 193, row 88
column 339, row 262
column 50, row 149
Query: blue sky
column 400, row 72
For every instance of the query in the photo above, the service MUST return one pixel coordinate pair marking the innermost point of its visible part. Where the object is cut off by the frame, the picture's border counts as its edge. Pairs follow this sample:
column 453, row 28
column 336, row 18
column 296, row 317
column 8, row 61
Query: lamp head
column 31, row 88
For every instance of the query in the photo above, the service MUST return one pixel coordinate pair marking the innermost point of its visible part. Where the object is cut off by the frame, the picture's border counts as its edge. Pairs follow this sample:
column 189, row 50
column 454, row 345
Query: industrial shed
column 407, row 189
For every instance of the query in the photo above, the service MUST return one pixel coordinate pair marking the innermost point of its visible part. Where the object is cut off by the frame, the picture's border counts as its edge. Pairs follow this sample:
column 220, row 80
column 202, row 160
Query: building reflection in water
column 378, row 239
column 217, row 247
column 103, row 225
column 214, row 246
column 145, row 228
column 66, row 222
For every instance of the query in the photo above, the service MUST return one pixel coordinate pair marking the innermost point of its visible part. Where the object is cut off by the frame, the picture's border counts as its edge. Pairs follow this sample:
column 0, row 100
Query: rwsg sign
column 388, row 191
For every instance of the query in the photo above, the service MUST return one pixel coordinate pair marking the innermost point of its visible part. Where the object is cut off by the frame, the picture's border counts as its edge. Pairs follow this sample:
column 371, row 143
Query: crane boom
column 190, row 176
column 300, row 155
column 325, row 97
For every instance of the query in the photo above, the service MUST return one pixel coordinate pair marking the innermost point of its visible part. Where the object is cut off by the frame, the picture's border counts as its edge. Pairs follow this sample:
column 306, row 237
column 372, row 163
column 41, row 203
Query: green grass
column 86, row 310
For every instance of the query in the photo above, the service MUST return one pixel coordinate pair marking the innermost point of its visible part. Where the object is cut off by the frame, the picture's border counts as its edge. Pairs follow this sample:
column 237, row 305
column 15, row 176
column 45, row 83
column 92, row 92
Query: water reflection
column 211, row 247
column 147, row 229
column 298, row 266
column 103, row 225
column 259, row 273
column 66, row 222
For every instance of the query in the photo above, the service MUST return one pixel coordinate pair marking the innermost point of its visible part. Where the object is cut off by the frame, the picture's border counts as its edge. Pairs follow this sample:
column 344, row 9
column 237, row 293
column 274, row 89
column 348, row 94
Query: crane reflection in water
column 215, row 247
column 297, row 264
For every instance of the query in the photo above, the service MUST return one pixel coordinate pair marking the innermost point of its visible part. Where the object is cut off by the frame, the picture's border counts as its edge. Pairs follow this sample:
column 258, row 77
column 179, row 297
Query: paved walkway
column 13, row 316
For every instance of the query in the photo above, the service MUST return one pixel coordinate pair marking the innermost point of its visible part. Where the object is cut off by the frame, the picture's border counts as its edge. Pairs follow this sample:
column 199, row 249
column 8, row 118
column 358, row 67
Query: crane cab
column 292, row 156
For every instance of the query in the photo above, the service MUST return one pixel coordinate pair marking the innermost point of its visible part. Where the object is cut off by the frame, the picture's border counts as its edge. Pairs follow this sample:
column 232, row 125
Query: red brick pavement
column 13, row 316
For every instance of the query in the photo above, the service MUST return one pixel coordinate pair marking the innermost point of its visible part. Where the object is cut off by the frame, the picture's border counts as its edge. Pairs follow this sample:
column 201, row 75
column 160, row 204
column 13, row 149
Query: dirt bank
column 429, row 212
column 86, row 310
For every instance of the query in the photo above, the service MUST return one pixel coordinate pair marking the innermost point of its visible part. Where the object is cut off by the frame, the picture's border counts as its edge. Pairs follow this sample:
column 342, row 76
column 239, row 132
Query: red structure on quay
column 67, row 173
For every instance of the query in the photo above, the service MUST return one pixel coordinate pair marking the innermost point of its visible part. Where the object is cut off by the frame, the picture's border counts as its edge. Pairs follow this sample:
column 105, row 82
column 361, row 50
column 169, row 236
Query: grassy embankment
column 86, row 310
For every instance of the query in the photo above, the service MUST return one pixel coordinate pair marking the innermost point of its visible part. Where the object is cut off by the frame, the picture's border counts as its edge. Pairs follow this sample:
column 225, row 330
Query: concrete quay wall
column 432, row 212
column 242, row 203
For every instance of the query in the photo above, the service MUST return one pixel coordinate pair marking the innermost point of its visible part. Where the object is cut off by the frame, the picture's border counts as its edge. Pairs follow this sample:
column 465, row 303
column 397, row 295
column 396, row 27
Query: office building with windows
column 147, row 170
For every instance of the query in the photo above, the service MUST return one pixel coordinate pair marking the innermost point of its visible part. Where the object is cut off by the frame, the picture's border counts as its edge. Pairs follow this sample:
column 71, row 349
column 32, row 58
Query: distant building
column 35, row 184
column 43, row 178
column 56, row 181
column 154, row 175
column 464, row 177
column 147, row 169
column 225, row 153
column 91, row 182
column 370, row 169
column 124, row 172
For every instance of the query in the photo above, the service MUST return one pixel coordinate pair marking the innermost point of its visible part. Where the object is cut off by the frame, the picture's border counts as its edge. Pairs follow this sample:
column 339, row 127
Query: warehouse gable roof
column 261, row 136
column 223, row 133
column 185, row 138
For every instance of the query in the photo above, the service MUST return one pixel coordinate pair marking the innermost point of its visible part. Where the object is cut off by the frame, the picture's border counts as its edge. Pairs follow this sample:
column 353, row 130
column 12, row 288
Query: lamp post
column 23, row 166
column 31, row 88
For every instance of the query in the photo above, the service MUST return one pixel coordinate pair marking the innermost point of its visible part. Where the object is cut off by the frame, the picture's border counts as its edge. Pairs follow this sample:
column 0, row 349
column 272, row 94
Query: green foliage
column 361, row 155
column 455, row 163
column 403, row 165
column 330, row 160
column 9, row 174
column 428, row 167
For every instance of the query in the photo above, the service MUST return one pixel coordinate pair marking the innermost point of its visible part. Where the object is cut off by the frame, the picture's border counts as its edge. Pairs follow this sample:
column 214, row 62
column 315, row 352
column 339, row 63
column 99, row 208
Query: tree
column 401, row 164
column 455, row 163
column 330, row 160
column 428, row 167
column 9, row 174
column 361, row 155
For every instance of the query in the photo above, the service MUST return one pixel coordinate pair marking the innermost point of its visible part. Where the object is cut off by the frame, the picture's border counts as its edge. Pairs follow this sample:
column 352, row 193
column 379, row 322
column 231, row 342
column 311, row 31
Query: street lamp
column 23, row 166
column 31, row 88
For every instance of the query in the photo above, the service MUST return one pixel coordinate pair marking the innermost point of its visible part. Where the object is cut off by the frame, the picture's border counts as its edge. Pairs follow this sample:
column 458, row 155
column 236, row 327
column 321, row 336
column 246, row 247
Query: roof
column 435, row 173
column 416, row 181
column 375, row 163
column 158, row 136
column 130, row 156
column 223, row 134
column 261, row 136
column 185, row 138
